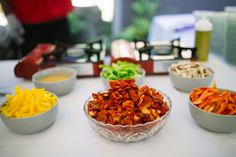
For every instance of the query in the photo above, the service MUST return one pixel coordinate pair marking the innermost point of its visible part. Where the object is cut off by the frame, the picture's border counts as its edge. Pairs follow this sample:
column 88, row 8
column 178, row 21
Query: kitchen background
column 126, row 19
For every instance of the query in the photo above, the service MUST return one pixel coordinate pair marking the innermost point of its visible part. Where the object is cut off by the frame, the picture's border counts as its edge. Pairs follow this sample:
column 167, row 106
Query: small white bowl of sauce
column 58, row 80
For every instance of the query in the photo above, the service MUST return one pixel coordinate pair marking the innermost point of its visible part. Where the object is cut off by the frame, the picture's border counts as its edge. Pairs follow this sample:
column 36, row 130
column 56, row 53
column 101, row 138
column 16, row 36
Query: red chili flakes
column 127, row 104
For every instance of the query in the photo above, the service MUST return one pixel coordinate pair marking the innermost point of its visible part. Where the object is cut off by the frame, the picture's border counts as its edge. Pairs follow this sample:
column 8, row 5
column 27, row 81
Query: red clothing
column 39, row 11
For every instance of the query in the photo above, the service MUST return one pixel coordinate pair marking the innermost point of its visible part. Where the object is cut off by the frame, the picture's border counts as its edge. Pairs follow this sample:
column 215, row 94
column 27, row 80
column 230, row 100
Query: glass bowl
column 128, row 133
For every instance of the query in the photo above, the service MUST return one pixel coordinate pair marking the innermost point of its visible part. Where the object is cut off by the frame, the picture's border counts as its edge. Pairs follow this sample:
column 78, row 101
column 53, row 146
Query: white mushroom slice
column 190, row 70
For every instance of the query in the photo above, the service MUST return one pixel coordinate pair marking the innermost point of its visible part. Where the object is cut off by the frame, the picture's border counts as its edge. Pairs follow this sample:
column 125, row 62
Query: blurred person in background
column 37, row 21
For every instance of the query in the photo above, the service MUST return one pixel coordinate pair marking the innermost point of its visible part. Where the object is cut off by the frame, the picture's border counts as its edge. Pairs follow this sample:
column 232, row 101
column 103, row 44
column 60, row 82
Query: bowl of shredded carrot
column 213, row 108
column 127, row 112
column 29, row 110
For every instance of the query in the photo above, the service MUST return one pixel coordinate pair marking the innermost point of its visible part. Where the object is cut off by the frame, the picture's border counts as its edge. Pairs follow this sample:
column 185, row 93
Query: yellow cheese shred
column 27, row 103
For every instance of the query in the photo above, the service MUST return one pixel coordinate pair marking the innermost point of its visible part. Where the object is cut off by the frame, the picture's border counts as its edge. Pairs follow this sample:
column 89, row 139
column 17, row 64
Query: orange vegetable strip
column 203, row 104
column 202, row 97
column 230, row 106
column 222, row 108
column 231, row 99
column 226, row 98
column 224, row 93
column 232, row 112
column 214, row 90
column 216, row 99
column 212, row 107
column 234, row 96
column 217, row 107
column 206, row 107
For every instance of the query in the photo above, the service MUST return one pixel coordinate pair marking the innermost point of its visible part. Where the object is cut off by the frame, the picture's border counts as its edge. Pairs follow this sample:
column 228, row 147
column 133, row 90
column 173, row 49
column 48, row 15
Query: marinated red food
column 127, row 104
column 214, row 100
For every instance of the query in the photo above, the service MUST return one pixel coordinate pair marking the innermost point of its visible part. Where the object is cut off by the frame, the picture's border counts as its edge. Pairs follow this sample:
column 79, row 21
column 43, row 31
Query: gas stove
column 154, row 57
column 85, row 58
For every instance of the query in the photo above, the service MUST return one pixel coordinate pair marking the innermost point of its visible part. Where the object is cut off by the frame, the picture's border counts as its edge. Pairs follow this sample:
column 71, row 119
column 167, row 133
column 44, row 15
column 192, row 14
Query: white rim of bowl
column 212, row 75
column 215, row 114
column 34, row 115
column 127, row 126
column 52, row 69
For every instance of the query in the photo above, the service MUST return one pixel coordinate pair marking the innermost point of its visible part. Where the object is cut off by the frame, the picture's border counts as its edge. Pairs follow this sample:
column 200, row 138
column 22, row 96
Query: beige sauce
column 54, row 78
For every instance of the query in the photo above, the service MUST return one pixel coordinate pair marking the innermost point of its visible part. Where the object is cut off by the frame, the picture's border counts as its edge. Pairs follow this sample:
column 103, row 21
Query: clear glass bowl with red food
column 126, row 112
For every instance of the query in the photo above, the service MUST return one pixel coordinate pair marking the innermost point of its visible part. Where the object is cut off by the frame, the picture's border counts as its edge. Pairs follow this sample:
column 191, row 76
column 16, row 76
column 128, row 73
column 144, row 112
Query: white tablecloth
column 72, row 136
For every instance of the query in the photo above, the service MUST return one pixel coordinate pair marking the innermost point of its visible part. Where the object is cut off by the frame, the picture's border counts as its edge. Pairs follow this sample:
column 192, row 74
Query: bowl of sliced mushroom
column 187, row 75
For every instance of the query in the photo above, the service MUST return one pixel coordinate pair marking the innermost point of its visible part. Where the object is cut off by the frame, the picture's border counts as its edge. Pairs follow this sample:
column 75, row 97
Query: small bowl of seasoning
column 187, row 75
column 58, row 80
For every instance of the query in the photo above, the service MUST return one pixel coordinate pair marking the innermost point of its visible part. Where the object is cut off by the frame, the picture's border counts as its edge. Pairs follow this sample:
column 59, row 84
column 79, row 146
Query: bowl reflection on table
column 128, row 133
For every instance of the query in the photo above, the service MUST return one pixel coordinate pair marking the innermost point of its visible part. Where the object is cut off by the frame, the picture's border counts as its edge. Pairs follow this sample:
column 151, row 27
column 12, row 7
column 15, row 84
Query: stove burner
column 93, row 50
column 174, row 49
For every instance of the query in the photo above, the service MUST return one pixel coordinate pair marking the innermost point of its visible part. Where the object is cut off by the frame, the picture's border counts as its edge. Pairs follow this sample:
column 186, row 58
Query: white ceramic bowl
column 138, row 80
column 60, row 87
column 185, row 84
column 32, row 124
column 211, row 121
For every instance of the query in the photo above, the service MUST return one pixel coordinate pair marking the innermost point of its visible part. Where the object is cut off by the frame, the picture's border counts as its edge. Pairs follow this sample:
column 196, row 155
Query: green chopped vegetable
column 121, row 70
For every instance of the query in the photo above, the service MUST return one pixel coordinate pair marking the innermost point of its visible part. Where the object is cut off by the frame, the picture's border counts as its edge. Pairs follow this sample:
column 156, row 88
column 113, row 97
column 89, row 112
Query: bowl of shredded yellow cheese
column 29, row 110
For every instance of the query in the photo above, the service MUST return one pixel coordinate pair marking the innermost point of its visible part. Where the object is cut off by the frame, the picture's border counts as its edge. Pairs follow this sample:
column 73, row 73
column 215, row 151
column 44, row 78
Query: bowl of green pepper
column 122, row 70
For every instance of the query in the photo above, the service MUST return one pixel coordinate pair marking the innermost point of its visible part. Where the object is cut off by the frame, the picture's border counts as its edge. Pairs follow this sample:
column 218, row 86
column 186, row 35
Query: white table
column 72, row 136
